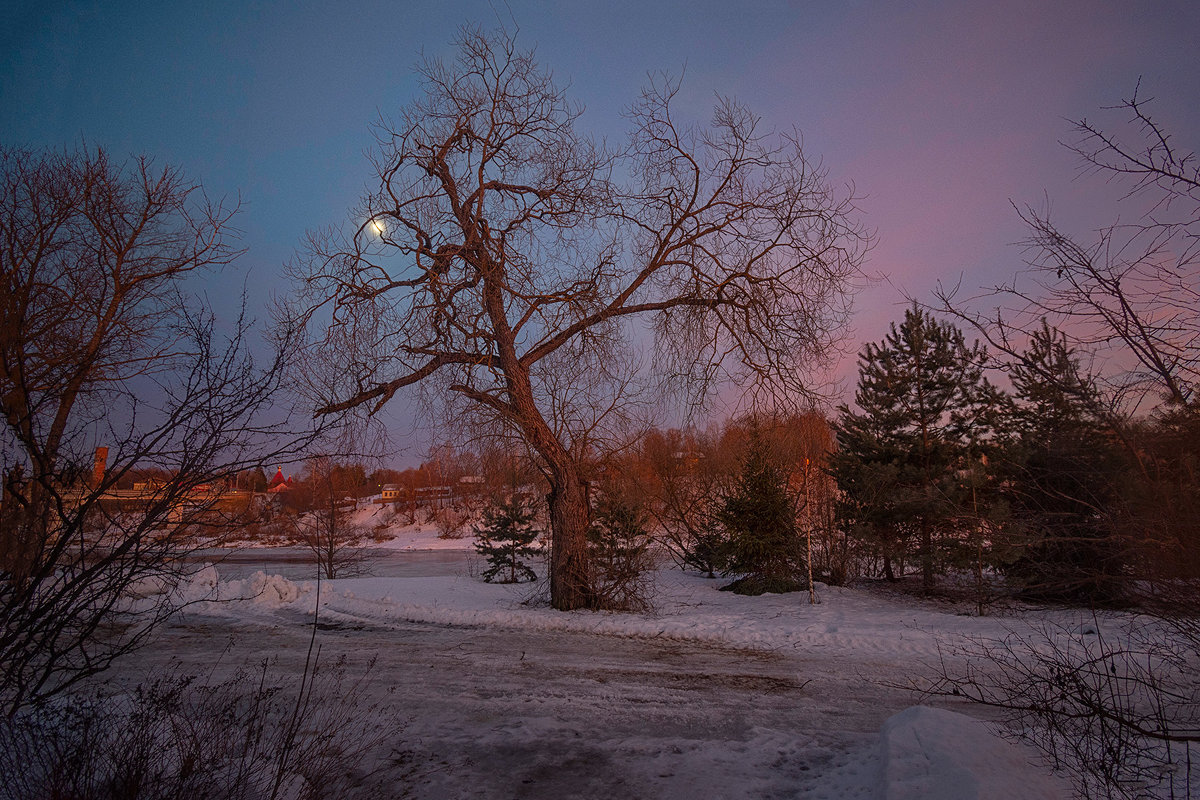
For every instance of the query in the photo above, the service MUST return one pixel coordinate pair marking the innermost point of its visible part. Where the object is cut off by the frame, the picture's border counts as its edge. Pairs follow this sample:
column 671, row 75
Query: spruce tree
column 506, row 541
column 924, row 416
column 619, row 549
column 1065, row 478
column 759, row 518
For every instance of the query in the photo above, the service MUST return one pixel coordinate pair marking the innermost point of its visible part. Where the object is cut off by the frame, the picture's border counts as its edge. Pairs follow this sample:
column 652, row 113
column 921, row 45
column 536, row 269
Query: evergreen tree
column 618, row 546
column 1065, row 478
column 506, row 541
column 759, row 518
column 926, row 416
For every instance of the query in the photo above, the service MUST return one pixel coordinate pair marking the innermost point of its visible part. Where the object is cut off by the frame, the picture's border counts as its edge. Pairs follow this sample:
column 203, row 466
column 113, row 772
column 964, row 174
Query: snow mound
column 176, row 590
column 934, row 754
column 201, row 585
column 272, row 591
column 260, row 589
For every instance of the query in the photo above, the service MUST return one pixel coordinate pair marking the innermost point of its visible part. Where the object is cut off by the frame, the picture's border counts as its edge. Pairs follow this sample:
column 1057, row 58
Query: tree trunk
column 926, row 556
column 570, row 575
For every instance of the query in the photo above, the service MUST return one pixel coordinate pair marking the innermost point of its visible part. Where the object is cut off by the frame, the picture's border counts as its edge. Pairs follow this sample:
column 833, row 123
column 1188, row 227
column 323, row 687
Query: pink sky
column 940, row 113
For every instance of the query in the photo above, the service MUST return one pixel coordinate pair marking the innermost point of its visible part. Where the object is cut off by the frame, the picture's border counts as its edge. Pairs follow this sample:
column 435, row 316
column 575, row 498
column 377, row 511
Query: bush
column 754, row 585
column 619, row 549
column 1114, row 701
column 451, row 523
column 176, row 738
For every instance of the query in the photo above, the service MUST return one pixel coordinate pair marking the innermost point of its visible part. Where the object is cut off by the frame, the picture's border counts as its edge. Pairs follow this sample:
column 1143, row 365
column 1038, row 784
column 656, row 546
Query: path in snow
column 538, row 714
column 712, row 696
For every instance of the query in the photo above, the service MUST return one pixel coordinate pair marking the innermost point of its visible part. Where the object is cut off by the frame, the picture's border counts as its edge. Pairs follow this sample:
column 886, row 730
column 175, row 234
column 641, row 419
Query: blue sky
column 939, row 113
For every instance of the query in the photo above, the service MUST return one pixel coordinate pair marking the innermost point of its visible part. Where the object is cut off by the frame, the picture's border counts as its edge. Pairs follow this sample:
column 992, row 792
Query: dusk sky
column 939, row 113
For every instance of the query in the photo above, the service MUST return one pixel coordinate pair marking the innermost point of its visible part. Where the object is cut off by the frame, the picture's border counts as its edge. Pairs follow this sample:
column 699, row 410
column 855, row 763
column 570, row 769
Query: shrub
column 619, row 549
column 176, row 738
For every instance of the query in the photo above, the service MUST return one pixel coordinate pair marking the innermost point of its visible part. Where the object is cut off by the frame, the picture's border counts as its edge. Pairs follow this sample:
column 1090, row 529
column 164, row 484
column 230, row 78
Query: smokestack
column 99, row 466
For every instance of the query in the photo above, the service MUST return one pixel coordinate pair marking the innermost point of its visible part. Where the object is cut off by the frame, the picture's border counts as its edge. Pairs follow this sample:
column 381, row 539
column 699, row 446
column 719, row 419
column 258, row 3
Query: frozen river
column 297, row 563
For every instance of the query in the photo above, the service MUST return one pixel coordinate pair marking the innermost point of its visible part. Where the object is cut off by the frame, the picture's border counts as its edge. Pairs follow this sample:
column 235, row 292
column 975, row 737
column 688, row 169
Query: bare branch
column 498, row 229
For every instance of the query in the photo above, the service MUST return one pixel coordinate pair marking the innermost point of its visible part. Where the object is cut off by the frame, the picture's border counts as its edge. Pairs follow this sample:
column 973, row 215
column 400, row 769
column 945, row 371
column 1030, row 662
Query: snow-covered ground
column 711, row 695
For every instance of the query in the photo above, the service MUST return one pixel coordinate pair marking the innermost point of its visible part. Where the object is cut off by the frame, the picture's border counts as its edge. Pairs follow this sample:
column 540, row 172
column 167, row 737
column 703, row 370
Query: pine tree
column 506, row 540
column 925, row 416
column 618, row 546
column 1065, row 478
column 759, row 518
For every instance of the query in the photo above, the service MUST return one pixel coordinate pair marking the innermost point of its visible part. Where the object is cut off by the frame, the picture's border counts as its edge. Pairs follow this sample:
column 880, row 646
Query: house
column 279, row 484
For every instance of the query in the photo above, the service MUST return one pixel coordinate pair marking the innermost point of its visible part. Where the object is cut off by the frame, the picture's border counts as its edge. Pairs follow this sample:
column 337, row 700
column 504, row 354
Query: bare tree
column 1127, row 300
column 1132, row 293
column 100, row 347
column 1122, row 710
column 684, row 476
column 1115, row 703
column 326, row 524
column 502, row 243
column 830, row 548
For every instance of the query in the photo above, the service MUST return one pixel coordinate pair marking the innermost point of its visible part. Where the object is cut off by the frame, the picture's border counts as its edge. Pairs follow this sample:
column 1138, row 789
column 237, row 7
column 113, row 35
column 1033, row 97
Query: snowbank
column 687, row 607
column 935, row 754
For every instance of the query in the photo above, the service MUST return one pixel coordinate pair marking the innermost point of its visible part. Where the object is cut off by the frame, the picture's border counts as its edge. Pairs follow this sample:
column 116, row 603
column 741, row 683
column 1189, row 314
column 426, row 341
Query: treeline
column 1037, row 487
column 1043, row 483
column 489, row 471
column 1014, row 477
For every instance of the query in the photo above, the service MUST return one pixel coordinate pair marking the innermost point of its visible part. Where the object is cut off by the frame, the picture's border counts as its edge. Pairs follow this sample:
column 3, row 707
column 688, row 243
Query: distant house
column 390, row 493
column 279, row 484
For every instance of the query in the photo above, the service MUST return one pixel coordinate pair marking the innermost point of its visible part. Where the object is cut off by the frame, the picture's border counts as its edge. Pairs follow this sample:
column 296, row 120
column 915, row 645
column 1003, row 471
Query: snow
column 687, row 607
column 709, row 695
column 935, row 754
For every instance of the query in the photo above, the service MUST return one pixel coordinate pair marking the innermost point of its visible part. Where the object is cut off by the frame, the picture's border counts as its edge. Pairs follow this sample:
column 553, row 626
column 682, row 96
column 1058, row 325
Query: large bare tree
column 502, row 248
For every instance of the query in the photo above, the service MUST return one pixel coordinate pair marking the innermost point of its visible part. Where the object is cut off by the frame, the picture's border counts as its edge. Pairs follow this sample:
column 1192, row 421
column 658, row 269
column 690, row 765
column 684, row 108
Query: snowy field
column 711, row 695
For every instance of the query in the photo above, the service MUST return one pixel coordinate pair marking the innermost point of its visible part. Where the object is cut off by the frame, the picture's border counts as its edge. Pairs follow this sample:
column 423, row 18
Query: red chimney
column 99, row 466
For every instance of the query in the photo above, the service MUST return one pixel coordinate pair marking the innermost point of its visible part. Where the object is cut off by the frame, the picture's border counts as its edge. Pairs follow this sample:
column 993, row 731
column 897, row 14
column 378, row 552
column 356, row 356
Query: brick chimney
column 99, row 465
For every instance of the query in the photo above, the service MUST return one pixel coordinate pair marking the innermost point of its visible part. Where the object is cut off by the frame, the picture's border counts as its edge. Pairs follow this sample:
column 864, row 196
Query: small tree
column 619, row 546
column 506, row 541
column 326, row 523
column 759, row 517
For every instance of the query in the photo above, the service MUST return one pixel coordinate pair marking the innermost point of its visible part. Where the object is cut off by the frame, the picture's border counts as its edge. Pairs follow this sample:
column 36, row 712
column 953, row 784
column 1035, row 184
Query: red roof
column 278, row 481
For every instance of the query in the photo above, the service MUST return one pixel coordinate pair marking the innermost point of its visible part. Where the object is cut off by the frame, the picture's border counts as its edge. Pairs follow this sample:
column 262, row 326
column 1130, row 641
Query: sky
column 939, row 114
